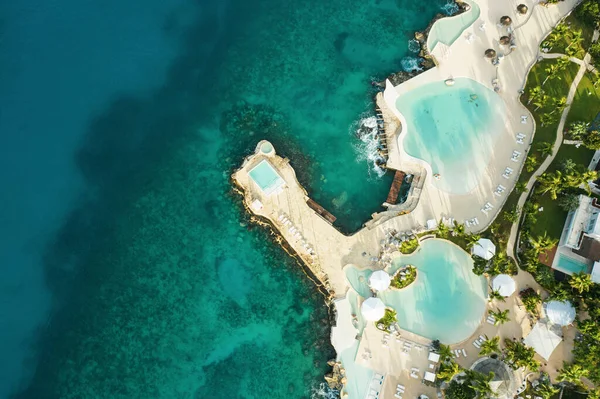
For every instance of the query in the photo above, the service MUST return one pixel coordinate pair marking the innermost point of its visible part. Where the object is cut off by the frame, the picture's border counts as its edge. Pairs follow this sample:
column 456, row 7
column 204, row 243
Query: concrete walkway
column 510, row 245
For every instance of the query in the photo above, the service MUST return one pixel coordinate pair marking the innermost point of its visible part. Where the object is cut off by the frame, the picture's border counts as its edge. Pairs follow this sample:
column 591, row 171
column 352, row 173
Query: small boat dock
column 392, row 197
column 321, row 211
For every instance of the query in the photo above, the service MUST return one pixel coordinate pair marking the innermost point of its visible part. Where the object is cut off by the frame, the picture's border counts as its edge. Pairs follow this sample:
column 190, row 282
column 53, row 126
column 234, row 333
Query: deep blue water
column 128, row 267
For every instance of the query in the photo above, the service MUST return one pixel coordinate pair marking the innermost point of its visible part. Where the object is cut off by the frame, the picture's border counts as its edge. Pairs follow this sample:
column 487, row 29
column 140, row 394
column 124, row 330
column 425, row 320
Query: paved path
column 510, row 245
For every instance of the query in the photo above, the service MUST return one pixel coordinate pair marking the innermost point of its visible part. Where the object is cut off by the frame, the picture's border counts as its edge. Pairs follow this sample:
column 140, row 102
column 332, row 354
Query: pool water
column 453, row 129
column 569, row 265
column 267, row 179
column 447, row 30
column 447, row 301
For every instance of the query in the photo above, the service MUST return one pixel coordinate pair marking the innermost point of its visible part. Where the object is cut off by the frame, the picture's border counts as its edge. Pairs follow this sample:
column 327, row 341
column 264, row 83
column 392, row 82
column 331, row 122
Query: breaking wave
column 365, row 130
column 450, row 7
column 323, row 391
column 411, row 64
column 414, row 46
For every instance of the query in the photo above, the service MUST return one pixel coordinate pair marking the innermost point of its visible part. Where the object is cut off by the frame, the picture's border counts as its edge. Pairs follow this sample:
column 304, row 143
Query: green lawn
column 551, row 220
column 555, row 88
column 586, row 104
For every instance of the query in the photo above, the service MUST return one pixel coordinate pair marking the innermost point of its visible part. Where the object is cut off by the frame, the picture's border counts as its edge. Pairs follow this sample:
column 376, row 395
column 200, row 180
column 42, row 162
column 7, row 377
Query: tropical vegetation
column 409, row 246
column 404, row 277
column 531, row 300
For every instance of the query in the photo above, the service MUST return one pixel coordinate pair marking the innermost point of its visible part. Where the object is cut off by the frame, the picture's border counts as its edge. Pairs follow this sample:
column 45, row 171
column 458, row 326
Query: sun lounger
column 456, row 353
column 520, row 141
column 400, row 388
column 481, row 337
column 464, row 352
column 484, row 210
column 476, row 344
column 398, row 395
column 476, row 221
column 501, row 187
column 482, row 27
column 378, row 376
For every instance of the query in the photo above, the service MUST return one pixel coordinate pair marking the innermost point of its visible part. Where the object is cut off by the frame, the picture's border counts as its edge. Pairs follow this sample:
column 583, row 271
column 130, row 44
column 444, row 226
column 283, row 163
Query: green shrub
column 387, row 320
column 531, row 300
column 400, row 281
column 409, row 246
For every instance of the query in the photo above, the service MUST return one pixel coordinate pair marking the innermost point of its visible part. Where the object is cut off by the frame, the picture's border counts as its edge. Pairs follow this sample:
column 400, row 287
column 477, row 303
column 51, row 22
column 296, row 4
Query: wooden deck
column 321, row 211
column 392, row 197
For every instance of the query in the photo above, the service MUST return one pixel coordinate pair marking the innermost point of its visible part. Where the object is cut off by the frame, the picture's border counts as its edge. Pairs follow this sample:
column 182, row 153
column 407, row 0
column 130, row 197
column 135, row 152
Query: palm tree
column 590, row 328
column 490, row 346
column 448, row 370
column 521, row 187
column 552, row 71
column 459, row 228
column 581, row 282
column 568, row 166
column 445, row 353
column 559, row 104
column 496, row 295
column 511, row 216
column 548, row 118
column 546, row 390
column 578, row 129
column 519, row 355
column 531, row 163
column 481, row 383
column 536, row 94
column 560, row 293
column 472, row 240
column 541, row 101
column 442, row 230
column 572, row 373
column 500, row 316
column 543, row 243
column 546, row 148
column 551, row 183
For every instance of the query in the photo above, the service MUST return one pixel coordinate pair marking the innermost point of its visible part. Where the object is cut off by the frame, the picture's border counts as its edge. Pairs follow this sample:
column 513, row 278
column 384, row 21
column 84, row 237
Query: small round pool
column 266, row 148
column 447, row 301
column 452, row 128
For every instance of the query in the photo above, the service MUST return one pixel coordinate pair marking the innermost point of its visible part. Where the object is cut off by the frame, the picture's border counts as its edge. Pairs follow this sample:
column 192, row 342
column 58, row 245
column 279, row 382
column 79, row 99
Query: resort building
column 579, row 244
column 505, row 382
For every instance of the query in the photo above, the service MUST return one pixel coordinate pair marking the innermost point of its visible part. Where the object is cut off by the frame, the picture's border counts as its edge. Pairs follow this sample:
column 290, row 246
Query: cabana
column 543, row 340
column 373, row 309
column 484, row 248
column 434, row 357
column 504, row 284
column 380, row 280
column 429, row 376
column 431, row 224
column 561, row 313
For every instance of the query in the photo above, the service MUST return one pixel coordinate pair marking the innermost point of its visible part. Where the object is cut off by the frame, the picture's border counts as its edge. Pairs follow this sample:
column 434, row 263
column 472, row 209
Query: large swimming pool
column 447, row 301
column 453, row 129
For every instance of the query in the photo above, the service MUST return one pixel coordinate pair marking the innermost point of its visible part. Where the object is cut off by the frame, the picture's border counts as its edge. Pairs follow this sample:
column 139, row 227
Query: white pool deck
column 333, row 250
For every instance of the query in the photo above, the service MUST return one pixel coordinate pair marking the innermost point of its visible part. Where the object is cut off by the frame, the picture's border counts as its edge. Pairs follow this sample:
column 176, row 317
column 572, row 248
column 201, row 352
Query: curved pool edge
column 484, row 281
column 473, row 6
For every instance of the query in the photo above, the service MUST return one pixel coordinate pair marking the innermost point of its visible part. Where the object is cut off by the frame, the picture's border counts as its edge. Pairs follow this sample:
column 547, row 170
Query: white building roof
column 434, row 357
column 542, row 340
column 582, row 220
column 429, row 376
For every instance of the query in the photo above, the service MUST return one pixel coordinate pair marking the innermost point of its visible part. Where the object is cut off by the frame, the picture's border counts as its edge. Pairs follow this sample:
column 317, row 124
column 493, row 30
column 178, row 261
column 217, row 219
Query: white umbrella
column 380, row 280
column 373, row 309
column 561, row 313
column 484, row 248
column 504, row 284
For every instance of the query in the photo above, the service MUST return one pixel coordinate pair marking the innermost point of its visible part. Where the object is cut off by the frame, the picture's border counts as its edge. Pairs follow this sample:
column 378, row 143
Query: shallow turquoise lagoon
column 447, row 301
column 453, row 128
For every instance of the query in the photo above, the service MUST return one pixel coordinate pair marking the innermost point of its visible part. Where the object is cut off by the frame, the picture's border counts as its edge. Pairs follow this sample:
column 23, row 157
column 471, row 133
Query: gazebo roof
column 373, row 309
column 543, row 340
column 504, row 382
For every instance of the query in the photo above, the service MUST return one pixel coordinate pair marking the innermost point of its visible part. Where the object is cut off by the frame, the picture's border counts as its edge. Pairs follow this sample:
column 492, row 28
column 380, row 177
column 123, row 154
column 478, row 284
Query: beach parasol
column 484, row 248
column 505, row 40
column 505, row 20
column 522, row 8
column 490, row 53
column 373, row 309
column 504, row 284
column 561, row 313
column 379, row 280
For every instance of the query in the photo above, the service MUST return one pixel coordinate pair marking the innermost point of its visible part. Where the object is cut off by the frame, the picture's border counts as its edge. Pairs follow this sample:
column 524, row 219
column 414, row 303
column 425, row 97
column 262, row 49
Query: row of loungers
column 477, row 343
column 295, row 233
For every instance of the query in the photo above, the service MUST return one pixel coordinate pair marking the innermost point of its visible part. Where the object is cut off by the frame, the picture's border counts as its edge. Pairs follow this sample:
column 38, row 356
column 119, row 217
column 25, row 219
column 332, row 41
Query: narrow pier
column 320, row 211
column 392, row 197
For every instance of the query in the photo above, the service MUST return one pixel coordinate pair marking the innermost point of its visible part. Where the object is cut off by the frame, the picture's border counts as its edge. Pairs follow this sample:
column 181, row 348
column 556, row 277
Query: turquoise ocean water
column 129, row 268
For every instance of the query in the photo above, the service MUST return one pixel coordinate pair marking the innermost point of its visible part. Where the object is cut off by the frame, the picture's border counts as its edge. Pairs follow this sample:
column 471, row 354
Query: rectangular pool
column 266, row 177
column 569, row 265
